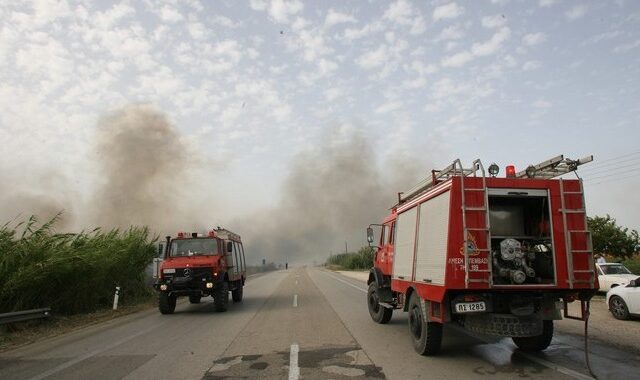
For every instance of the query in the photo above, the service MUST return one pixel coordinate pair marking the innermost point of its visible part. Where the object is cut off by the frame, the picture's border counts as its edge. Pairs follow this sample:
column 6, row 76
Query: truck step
column 387, row 305
column 573, row 211
column 474, row 208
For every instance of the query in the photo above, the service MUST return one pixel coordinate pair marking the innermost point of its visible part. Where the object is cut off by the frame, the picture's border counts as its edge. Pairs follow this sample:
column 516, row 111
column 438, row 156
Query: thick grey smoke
column 330, row 196
column 145, row 171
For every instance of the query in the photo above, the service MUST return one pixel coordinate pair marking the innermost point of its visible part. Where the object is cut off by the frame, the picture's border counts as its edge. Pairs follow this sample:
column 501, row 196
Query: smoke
column 329, row 197
column 44, row 195
column 145, row 171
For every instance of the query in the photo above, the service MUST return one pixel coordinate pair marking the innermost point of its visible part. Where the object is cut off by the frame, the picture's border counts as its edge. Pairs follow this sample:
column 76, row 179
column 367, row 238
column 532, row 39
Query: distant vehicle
column 611, row 275
column 624, row 300
column 493, row 255
column 197, row 266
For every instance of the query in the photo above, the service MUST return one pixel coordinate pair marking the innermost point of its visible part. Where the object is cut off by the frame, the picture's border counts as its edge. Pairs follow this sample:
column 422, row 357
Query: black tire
column 618, row 308
column 378, row 313
column 426, row 337
column 194, row 298
column 166, row 303
column 236, row 294
column 221, row 296
column 538, row 342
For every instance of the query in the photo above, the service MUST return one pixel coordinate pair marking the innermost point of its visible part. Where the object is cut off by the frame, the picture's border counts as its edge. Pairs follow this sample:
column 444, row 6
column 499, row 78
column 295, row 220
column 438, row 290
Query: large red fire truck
column 198, row 265
column 499, row 256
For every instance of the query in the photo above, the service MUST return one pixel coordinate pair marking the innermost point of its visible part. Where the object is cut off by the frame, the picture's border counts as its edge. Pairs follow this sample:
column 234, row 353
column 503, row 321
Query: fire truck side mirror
column 229, row 246
column 160, row 249
column 370, row 235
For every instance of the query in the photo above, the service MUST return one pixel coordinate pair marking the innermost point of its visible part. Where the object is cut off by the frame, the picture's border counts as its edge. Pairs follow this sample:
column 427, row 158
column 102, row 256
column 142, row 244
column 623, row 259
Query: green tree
column 609, row 238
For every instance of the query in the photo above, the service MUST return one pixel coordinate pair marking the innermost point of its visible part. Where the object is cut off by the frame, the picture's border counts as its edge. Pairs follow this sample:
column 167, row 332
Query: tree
column 609, row 238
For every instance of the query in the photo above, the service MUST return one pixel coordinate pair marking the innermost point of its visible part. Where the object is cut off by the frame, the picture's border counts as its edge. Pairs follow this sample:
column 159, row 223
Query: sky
column 247, row 103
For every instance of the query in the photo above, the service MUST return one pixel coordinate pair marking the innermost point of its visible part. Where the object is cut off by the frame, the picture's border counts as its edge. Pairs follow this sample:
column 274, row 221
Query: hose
column 586, row 340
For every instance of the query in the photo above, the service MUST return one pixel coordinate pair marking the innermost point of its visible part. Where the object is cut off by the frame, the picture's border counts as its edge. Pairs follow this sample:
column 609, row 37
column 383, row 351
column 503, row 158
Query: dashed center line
column 295, row 300
column 294, row 370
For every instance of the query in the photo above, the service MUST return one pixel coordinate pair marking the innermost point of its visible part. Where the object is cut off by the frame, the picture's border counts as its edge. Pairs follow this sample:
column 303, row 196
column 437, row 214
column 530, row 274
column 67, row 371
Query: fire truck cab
column 500, row 256
column 198, row 265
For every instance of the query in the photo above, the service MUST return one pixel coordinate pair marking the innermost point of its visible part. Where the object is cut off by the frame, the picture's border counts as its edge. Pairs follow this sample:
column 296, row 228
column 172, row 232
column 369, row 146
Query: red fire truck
column 198, row 265
column 499, row 256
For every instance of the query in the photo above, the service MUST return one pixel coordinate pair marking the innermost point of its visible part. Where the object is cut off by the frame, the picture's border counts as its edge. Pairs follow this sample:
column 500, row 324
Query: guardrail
column 25, row 315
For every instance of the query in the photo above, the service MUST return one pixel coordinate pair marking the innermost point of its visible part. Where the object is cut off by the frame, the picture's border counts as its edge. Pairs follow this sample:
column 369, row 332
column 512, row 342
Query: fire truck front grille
column 503, row 325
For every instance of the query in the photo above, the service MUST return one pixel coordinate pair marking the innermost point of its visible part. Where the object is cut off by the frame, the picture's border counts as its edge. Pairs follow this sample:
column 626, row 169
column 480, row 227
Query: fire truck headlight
column 531, row 171
column 209, row 285
column 494, row 169
column 163, row 287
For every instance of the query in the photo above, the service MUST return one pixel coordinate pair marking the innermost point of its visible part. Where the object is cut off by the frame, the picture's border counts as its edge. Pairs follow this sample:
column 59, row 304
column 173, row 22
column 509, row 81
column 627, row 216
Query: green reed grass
column 71, row 273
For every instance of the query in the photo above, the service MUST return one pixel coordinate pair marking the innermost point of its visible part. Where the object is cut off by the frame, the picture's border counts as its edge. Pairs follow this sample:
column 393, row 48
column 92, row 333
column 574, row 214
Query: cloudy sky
column 252, row 86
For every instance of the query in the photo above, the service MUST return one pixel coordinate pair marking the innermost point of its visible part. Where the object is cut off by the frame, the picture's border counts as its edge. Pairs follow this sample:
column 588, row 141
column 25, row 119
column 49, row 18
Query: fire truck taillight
column 212, row 233
column 511, row 171
column 181, row 234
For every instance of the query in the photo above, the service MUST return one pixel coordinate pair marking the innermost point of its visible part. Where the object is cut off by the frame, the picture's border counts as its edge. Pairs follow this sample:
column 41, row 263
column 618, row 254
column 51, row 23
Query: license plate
column 470, row 307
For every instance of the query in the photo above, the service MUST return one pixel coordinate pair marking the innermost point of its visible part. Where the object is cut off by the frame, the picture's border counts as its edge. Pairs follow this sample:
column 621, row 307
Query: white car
column 611, row 275
column 624, row 300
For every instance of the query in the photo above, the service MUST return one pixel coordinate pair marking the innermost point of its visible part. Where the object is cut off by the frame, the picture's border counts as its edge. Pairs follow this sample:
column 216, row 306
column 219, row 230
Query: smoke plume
column 145, row 170
column 329, row 197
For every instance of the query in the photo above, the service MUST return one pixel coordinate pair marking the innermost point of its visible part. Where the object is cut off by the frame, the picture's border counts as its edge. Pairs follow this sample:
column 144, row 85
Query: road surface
column 304, row 323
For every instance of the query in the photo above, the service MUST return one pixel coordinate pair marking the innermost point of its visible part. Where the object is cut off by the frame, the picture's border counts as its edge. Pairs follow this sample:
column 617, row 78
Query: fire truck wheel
column 378, row 313
column 426, row 337
column 167, row 303
column 221, row 296
column 236, row 294
column 536, row 343
column 194, row 298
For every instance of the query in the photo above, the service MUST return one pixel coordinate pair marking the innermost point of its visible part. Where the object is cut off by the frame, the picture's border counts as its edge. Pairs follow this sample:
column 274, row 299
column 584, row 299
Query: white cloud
column 493, row 21
column 576, row 12
column 453, row 32
column 491, row 46
column 373, row 58
column 531, row 65
column 627, row 47
column 448, row 11
column 333, row 93
column 402, row 12
column 280, row 10
column 546, row 3
column 532, row 39
column 170, row 14
column 541, row 104
column 457, row 60
column 389, row 106
column 334, row 18
column 353, row 34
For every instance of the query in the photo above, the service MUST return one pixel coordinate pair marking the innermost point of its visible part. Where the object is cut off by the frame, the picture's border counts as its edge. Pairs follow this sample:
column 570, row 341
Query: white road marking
column 346, row 282
column 546, row 363
column 92, row 354
column 295, row 300
column 294, row 370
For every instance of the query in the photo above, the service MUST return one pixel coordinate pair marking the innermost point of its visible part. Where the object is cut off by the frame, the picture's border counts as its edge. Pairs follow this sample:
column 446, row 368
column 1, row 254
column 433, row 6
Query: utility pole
column 345, row 247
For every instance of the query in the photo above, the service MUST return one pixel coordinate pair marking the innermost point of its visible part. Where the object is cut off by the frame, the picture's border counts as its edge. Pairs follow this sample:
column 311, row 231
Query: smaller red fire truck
column 499, row 256
column 198, row 265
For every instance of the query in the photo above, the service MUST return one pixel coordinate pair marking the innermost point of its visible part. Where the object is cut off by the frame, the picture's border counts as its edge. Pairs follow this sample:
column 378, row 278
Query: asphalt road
column 304, row 323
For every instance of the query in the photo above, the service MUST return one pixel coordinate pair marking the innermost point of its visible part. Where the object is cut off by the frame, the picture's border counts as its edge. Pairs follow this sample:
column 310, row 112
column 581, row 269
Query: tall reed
column 71, row 273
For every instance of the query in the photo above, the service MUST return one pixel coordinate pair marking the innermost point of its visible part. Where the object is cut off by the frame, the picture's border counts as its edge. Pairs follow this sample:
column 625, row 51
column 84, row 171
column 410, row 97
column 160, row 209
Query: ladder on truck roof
column 472, row 236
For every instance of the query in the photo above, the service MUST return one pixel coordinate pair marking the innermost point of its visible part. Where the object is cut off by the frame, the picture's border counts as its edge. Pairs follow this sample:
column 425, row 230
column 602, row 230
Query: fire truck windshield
column 193, row 247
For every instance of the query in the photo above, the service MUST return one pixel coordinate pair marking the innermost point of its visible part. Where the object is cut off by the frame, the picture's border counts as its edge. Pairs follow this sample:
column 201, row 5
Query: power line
column 597, row 168
column 610, row 172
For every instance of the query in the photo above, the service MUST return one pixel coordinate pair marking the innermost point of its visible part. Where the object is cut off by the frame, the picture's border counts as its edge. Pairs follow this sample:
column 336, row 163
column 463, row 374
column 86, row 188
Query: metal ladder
column 477, row 165
column 569, row 233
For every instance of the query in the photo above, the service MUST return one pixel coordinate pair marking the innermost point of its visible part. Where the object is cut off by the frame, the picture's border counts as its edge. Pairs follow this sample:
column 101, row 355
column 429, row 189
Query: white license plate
column 470, row 307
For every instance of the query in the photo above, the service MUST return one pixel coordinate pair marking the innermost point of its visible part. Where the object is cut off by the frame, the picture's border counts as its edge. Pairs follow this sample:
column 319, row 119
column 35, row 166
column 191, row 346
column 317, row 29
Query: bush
column 363, row 259
column 633, row 264
column 71, row 273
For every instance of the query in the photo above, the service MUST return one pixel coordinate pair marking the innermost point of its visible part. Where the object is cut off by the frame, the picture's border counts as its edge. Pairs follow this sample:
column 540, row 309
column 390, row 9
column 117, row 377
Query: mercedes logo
column 187, row 272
